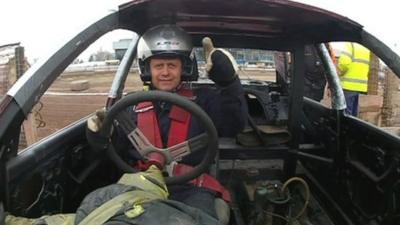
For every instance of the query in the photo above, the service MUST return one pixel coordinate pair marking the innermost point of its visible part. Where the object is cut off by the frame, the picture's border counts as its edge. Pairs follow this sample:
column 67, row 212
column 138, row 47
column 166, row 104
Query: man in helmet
column 166, row 62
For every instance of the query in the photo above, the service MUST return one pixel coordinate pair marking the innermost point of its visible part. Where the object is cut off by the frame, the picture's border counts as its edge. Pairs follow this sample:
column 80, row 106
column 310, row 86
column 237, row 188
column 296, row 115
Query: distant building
column 120, row 48
column 243, row 56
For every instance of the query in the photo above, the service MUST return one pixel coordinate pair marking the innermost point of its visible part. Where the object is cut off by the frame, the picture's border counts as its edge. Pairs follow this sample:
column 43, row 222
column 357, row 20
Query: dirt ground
column 60, row 106
column 100, row 82
column 60, row 110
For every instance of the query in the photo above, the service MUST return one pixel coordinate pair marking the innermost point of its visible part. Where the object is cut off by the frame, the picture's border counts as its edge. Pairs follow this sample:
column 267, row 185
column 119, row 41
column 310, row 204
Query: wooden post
column 370, row 104
column 373, row 75
column 29, row 127
column 391, row 98
column 4, row 68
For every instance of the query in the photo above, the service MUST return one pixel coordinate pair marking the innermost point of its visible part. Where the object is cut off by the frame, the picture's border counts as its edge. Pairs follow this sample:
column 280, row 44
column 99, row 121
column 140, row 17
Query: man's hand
column 221, row 67
column 328, row 92
column 95, row 122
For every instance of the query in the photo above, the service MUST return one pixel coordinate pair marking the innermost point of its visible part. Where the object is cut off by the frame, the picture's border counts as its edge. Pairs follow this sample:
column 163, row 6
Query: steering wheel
column 208, row 140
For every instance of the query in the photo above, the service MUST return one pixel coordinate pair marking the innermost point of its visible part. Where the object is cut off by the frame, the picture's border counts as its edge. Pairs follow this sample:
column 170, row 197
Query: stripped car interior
column 341, row 170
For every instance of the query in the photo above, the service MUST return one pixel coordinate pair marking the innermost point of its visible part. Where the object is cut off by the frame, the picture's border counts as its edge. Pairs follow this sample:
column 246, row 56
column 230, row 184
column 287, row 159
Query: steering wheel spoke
column 144, row 147
column 185, row 148
column 208, row 140
column 178, row 151
column 140, row 142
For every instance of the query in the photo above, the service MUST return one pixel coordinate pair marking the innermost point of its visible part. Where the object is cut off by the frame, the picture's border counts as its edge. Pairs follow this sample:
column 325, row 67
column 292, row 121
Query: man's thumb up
column 208, row 47
column 221, row 67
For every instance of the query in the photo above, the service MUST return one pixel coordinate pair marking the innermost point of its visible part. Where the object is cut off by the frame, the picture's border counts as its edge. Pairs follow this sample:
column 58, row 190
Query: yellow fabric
column 146, row 87
column 354, row 67
column 58, row 219
column 13, row 220
column 151, row 186
column 151, row 180
column 107, row 210
column 136, row 211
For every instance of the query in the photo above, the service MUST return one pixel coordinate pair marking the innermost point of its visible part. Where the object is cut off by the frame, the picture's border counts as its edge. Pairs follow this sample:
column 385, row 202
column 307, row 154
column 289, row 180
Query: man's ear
column 183, row 63
column 148, row 68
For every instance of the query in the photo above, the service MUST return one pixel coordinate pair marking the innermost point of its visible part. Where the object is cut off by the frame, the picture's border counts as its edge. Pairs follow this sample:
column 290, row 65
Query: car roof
column 262, row 24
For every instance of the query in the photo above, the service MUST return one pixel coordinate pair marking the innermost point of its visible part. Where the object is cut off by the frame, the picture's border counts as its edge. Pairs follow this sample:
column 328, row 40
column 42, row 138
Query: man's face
column 165, row 73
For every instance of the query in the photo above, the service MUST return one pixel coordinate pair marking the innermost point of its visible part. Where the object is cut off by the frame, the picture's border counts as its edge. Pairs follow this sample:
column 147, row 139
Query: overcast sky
column 44, row 25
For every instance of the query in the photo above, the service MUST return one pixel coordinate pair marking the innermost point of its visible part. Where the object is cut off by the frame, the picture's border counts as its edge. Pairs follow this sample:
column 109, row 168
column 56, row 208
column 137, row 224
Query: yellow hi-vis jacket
column 354, row 67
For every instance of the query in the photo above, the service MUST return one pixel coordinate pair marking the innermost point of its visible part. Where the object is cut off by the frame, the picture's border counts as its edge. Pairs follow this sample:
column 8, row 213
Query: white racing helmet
column 167, row 41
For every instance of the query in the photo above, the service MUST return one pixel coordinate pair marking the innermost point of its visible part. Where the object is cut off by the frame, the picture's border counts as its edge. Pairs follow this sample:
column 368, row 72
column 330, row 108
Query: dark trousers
column 197, row 197
column 351, row 102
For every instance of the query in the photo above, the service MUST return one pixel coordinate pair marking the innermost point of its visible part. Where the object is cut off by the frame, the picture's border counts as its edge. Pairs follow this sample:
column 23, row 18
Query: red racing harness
column 147, row 122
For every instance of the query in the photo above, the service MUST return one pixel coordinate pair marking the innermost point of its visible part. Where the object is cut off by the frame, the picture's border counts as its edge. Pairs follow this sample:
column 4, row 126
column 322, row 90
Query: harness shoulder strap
column 147, row 122
column 180, row 121
column 204, row 180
